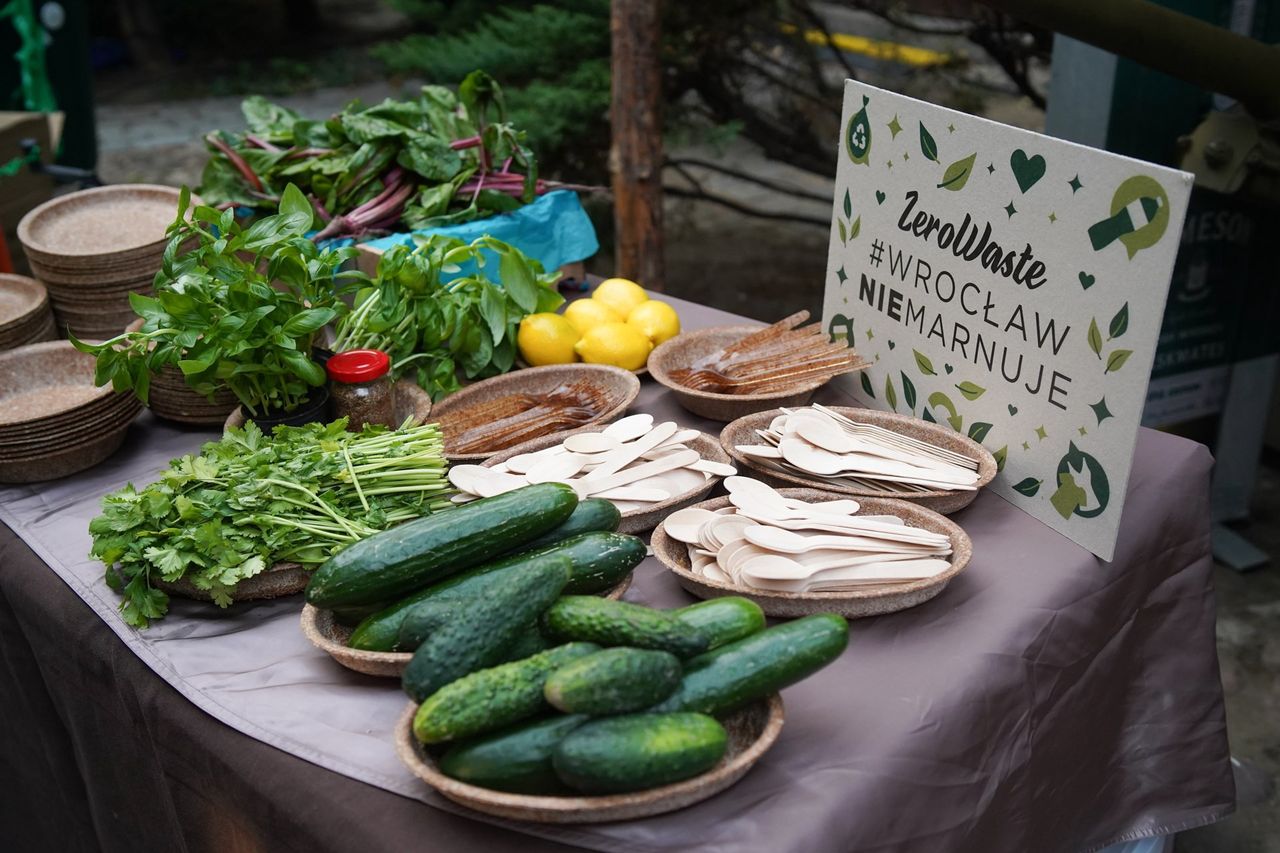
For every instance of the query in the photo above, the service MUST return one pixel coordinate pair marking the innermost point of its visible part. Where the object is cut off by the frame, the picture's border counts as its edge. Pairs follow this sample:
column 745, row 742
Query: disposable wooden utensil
column 683, row 525
column 870, row 567
column 591, row 485
column 831, row 437
column 891, row 437
column 629, row 428
column 768, row 333
column 788, row 542
column 618, row 459
column 591, row 442
column 556, row 469
column 823, row 463
column 643, row 494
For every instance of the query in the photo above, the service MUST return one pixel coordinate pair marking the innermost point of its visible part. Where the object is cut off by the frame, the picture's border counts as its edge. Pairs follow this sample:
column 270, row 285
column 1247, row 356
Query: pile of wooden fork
column 775, row 359
column 497, row 424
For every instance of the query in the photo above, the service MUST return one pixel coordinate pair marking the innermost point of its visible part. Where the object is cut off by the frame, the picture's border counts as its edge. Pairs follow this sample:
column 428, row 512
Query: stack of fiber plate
column 92, row 248
column 25, row 317
column 53, row 420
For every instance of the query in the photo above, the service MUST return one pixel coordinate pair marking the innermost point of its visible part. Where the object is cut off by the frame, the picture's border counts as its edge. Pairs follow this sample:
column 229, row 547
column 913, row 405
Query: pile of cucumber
column 526, row 681
column 627, row 701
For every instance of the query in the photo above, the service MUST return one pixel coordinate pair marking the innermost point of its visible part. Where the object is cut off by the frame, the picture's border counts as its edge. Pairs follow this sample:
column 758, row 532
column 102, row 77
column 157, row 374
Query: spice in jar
column 360, row 387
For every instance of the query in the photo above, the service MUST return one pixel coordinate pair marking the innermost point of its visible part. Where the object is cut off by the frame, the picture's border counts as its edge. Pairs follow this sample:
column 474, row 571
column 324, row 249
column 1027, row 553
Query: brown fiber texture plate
column 690, row 348
column 617, row 389
column 742, row 431
column 752, row 731
column 411, row 402
column 326, row 634
column 105, row 224
column 854, row 604
column 277, row 581
column 636, row 520
column 44, row 384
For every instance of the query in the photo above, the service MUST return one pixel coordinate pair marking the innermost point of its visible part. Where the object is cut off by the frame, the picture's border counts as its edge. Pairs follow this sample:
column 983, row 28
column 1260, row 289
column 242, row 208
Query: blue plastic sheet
column 554, row 229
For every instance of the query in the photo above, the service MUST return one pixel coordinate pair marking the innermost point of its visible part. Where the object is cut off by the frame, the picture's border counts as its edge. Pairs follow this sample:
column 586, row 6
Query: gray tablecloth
column 1045, row 701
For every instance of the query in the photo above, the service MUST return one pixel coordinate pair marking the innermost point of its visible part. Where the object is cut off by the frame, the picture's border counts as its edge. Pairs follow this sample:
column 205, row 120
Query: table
column 1045, row 701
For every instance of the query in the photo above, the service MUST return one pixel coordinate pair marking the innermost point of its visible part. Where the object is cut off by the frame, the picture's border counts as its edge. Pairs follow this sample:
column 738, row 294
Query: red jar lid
column 358, row 365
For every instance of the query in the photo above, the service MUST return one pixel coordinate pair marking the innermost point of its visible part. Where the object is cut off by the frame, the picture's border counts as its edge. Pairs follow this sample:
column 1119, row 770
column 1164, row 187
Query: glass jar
column 361, row 389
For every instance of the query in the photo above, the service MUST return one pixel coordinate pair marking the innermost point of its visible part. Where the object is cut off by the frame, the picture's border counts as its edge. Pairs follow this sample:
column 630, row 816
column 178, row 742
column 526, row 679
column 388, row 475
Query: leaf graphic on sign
column 866, row 385
column 1027, row 487
column 855, row 228
column 908, row 391
column 978, row 431
column 844, row 237
column 927, row 415
column 971, row 391
column 928, row 147
column 957, row 174
column 923, row 362
column 1069, row 497
column 1095, row 338
column 890, row 395
column 1119, row 323
column 848, row 205
column 1116, row 360
column 1000, row 455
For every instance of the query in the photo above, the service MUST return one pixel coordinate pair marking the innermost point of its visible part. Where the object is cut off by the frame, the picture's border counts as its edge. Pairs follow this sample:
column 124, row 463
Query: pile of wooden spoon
column 818, row 443
column 769, row 542
column 633, row 462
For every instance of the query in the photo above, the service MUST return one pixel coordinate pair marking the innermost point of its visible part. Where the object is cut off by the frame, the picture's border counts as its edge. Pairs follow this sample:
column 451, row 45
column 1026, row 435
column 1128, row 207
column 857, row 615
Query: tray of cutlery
column 862, row 452
column 494, row 414
column 801, row 551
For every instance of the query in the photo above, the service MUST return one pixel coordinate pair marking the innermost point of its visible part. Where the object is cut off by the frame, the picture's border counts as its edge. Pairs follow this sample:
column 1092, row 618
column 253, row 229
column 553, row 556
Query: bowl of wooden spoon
column 725, row 372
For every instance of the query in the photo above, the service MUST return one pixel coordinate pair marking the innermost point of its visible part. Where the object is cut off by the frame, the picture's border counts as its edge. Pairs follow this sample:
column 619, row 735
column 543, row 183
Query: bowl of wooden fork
column 725, row 372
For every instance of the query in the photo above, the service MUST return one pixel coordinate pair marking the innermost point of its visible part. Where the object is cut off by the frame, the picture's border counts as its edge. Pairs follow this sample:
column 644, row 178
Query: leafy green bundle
column 425, row 323
column 239, row 309
column 248, row 501
column 436, row 160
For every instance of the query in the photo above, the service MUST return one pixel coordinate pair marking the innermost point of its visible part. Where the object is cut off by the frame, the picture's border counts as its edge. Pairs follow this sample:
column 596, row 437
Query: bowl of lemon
column 618, row 325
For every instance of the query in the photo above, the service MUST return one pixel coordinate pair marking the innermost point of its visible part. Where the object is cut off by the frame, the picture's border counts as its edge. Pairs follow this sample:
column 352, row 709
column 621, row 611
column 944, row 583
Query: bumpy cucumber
column 589, row 516
column 738, row 674
column 417, row 553
column 614, row 681
column 616, row 623
column 492, row 623
column 492, row 698
column 637, row 751
column 724, row 619
column 517, row 759
column 600, row 561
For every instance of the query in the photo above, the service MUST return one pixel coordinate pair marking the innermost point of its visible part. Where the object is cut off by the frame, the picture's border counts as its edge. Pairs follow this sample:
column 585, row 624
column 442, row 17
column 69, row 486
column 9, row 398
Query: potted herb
column 240, row 309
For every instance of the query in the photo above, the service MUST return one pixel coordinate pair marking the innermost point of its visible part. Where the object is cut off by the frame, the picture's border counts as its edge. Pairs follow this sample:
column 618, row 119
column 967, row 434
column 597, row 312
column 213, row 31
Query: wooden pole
column 635, row 155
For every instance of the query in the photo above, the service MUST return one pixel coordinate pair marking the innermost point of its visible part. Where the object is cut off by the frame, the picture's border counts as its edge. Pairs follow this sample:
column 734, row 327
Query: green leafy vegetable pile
column 248, row 501
column 437, row 160
column 234, row 307
column 434, row 327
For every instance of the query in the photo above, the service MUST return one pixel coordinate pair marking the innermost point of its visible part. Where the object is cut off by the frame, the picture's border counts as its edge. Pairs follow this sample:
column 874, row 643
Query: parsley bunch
column 248, row 501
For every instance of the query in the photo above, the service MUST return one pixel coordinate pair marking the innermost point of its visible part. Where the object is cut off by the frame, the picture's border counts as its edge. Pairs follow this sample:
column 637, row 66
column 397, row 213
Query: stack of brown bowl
column 53, row 420
column 25, row 317
column 171, row 397
column 93, row 248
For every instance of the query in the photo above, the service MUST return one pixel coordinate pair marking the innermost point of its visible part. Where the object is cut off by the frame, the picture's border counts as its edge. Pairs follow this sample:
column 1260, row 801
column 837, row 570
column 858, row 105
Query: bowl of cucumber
column 751, row 732
column 328, row 633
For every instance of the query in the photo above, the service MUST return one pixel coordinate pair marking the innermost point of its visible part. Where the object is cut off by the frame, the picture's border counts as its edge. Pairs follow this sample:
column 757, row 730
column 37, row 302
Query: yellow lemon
column 620, row 294
column 546, row 339
column 656, row 320
column 615, row 343
column 586, row 314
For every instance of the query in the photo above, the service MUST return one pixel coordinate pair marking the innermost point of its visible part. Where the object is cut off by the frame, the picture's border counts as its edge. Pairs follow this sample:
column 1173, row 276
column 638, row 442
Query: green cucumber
column 616, row 623
column 600, row 562
column 417, row 553
column 637, row 751
column 738, row 674
column 493, row 621
column 492, row 698
column 517, row 759
column 589, row 516
column 724, row 619
column 613, row 681
column 426, row 618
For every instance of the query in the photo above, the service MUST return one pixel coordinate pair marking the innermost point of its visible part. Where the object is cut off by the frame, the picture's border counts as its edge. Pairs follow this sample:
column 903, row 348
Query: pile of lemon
column 619, row 325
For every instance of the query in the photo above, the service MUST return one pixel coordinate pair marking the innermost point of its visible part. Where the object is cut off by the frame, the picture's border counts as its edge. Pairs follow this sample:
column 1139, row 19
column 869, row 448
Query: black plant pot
column 315, row 408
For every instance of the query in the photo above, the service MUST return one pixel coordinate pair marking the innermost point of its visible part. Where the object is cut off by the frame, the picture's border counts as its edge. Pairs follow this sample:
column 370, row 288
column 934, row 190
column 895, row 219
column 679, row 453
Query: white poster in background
column 1009, row 285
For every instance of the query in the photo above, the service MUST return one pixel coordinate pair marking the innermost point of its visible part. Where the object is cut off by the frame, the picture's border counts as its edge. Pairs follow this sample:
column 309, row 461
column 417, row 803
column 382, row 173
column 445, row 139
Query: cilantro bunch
column 436, row 327
column 438, row 159
column 248, row 501
column 236, row 307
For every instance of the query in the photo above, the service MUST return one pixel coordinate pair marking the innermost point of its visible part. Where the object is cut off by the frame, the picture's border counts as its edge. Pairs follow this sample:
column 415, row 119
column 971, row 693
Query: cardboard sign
column 1010, row 285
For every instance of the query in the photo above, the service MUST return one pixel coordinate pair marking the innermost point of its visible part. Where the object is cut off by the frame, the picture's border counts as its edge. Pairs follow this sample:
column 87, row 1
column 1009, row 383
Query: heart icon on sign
column 1013, row 410
column 1086, row 280
column 1027, row 170
column 879, row 197
column 948, row 368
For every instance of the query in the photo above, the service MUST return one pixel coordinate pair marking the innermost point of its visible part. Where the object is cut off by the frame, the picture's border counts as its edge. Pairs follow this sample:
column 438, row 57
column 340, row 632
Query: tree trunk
column 635, row 156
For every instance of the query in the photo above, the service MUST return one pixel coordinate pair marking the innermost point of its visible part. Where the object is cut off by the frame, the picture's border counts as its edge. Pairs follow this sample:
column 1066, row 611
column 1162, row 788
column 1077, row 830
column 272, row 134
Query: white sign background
column 1036, row 339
